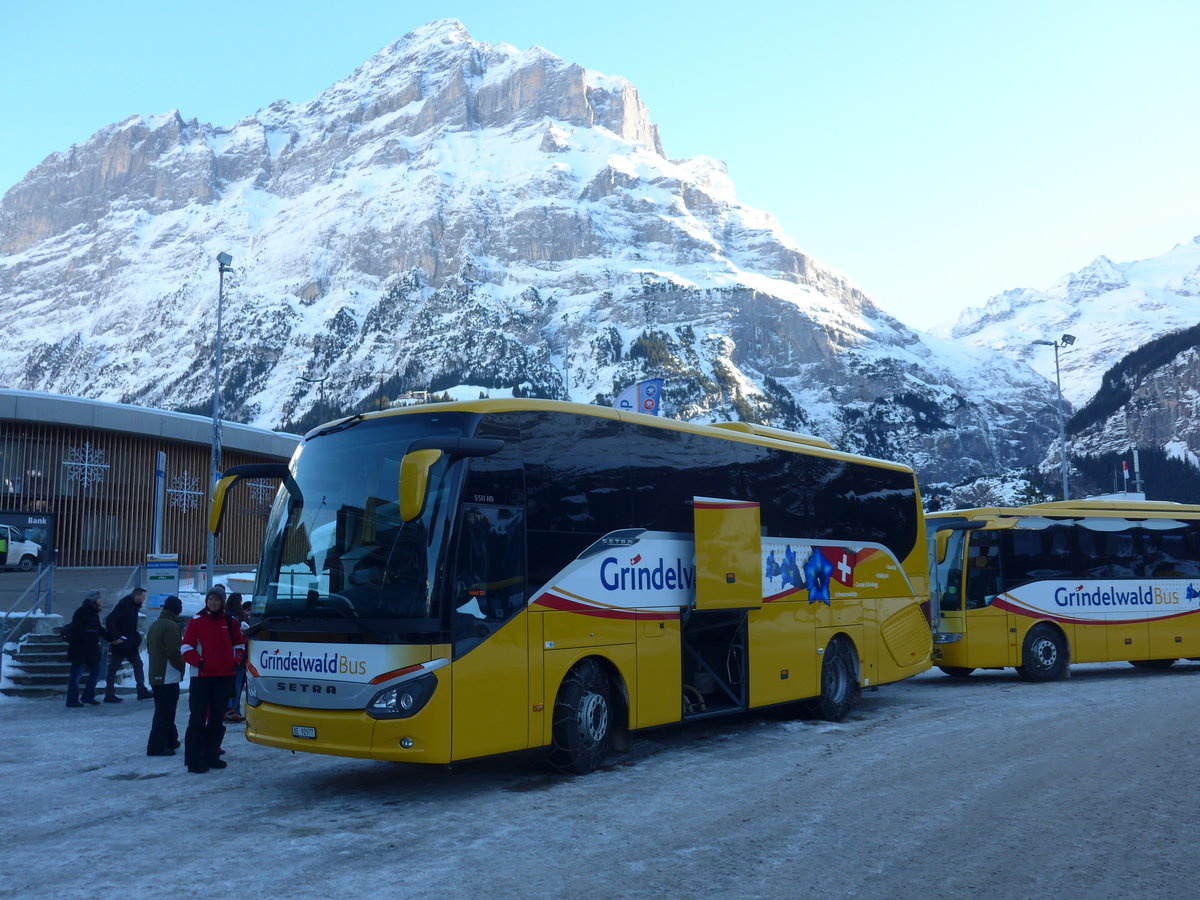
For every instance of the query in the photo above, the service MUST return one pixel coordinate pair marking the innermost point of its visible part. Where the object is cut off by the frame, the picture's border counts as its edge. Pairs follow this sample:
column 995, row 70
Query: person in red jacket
column 213, row 648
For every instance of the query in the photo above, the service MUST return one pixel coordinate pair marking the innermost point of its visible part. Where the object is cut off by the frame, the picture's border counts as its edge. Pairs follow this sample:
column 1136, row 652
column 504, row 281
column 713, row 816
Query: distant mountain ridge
column 1111, row 308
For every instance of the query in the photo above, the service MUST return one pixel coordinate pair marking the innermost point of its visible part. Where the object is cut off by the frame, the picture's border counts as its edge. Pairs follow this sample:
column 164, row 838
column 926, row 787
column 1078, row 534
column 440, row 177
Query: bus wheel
column 582, row 723
column 1044, row 654
column 1153, row 663
column 956, row 671
column 839, row 689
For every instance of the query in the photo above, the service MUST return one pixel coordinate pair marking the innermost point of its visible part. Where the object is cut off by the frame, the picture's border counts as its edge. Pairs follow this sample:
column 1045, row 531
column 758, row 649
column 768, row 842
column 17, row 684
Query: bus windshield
column 336, row 546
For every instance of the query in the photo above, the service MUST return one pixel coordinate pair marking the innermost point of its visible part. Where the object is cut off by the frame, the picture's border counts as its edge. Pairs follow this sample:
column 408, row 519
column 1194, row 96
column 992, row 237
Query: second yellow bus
column 1043, row 586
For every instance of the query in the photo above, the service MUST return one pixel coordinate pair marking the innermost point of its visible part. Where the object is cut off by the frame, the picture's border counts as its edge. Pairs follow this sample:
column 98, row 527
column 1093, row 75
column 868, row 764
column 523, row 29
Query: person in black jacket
column 83, row 649
column 122, row 622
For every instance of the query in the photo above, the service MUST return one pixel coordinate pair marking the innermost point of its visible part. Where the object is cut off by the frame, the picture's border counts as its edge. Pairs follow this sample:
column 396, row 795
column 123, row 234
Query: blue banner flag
column 644, row 397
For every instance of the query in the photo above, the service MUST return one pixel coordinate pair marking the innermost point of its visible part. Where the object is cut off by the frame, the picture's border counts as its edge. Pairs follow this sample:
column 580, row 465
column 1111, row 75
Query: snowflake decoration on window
column 85, row 466
column 185, row 492
column 261, row 492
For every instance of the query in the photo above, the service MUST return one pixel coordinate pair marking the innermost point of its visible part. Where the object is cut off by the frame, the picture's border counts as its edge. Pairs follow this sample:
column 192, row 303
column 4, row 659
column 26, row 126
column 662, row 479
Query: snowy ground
column 935, row 787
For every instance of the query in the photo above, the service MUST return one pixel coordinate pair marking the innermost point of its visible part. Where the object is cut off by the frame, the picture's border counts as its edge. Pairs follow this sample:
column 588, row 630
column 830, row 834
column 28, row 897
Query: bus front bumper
column 419, row 739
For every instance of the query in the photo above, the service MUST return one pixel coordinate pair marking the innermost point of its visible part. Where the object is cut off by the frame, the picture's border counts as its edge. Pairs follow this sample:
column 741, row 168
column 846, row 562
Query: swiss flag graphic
column 843, row 562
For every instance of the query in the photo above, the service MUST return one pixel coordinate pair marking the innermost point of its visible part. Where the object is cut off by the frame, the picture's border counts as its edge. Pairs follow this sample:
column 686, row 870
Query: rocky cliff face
column 1163, row 411
column 468, row 217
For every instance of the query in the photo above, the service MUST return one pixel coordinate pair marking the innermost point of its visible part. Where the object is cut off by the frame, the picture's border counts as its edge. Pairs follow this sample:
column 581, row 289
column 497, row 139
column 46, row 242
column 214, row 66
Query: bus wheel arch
column 841, row 680
column 585, row 716
column 1045, row 653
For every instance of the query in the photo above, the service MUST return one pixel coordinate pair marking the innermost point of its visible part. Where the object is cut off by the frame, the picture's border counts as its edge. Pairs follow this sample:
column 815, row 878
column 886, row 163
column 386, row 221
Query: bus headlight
column 403, row 700
column 252, row 698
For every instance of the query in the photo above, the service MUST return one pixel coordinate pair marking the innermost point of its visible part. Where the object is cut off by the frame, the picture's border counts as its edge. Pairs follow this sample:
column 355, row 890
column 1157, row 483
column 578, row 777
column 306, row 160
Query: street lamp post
column 224, row 264
column 1065, row 341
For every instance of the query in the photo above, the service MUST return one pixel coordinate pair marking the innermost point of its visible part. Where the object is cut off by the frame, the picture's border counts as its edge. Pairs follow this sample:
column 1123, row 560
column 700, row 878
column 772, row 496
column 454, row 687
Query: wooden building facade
column 92, row 467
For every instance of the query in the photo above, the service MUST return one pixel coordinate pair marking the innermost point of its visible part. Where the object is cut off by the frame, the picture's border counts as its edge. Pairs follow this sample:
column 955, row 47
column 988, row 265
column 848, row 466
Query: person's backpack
column 65, row 631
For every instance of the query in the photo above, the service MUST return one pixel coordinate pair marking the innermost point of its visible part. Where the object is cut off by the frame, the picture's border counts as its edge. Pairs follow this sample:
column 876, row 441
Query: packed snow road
column 936, row 787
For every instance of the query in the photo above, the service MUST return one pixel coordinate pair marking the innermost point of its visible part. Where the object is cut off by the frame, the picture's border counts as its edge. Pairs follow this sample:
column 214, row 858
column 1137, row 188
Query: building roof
column 78, row 412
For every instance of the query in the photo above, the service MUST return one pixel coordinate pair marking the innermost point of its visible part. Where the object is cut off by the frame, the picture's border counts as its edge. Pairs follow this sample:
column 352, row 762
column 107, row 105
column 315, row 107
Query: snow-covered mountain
column 469, row 217
column 1110, row 308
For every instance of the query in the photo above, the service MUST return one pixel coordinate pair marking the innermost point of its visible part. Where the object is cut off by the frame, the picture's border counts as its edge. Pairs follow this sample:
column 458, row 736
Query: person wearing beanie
column 213, row 648
column 83, row 649
column 166, row 672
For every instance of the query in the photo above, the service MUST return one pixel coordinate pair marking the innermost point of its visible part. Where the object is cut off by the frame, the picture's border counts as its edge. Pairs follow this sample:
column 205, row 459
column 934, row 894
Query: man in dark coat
column 83, row 649
column 166, row 671
column 123, row 622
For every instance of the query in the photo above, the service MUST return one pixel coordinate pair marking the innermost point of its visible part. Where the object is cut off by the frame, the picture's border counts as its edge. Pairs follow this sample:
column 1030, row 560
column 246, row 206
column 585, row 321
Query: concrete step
column 41, row 679
column 40, row 639
column 31, row 655
column 39, row 667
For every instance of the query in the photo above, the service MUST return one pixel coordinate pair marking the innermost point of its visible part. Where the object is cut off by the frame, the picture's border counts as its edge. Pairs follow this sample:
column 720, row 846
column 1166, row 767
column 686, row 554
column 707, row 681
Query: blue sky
column 936, row 152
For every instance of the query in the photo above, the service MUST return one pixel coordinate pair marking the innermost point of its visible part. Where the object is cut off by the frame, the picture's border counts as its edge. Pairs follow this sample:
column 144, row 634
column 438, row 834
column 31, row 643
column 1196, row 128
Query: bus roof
column 1076, row 509
column 746, row 432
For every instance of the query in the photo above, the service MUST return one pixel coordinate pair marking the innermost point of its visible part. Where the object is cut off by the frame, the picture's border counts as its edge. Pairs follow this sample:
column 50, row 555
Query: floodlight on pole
column 224, row 264
column 1065, row 341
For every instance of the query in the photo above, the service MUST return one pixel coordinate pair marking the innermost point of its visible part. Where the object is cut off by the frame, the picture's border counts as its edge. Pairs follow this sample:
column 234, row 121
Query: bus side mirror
column 233, row 475
column 414, row 481
column 217, row 511
column 941, row 543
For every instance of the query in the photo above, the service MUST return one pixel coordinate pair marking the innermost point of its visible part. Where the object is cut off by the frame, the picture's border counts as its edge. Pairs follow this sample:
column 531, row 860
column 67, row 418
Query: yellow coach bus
column 455, row 580
column 1042, row 586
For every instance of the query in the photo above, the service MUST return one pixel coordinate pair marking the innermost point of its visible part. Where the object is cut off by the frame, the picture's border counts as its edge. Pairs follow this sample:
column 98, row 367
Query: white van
column 21, row 554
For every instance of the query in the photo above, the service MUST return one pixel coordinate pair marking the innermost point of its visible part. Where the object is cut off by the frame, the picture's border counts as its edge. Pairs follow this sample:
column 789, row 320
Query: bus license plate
column 304, row 731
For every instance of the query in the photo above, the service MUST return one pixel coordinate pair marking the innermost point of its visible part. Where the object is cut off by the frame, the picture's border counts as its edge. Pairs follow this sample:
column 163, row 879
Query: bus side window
column 1171, row 553
column 983, row 569
column 1108, row 554
column 1022, row 551
column 489, row 576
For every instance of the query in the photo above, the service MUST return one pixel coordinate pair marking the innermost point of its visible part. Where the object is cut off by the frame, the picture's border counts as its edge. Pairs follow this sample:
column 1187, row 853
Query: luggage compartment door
column 728, row 554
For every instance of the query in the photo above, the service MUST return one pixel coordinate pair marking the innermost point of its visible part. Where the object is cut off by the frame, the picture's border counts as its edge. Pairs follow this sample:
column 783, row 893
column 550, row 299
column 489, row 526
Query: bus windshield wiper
column 339, row 425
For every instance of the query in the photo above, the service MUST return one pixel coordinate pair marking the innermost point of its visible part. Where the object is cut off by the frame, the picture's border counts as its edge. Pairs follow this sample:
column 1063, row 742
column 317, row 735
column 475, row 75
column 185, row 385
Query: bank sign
column 1103, row 602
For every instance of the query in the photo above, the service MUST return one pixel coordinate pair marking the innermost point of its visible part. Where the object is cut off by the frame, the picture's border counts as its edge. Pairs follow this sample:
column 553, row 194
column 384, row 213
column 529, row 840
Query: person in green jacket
column 166, row 672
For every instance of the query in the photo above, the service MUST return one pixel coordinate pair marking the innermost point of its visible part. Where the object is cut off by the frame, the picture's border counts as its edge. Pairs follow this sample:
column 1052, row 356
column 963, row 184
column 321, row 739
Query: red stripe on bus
column 561, row 604
column 1068, row 620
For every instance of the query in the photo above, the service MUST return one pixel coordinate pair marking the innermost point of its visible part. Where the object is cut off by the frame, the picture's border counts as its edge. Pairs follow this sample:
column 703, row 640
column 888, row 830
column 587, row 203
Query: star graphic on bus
column 816, row 576
column 1192, row 593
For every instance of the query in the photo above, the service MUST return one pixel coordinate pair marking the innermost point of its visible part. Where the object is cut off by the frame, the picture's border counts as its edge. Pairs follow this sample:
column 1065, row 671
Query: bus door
column 986, row 626
column 1171, row 563
column 728, row 584
column 1109, row 554
column 946, row 602
column 490, row 670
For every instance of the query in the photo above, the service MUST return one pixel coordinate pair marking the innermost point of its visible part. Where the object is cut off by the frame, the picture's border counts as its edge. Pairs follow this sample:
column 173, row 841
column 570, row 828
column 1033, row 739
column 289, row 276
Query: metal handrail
column 43, row 572
column 5, row 630
column 135, row 579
